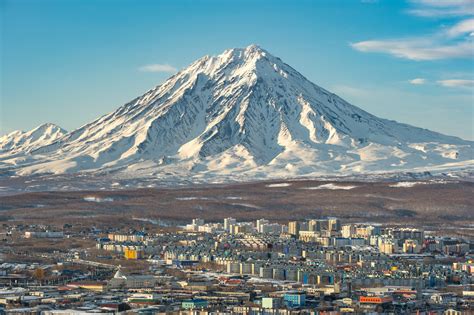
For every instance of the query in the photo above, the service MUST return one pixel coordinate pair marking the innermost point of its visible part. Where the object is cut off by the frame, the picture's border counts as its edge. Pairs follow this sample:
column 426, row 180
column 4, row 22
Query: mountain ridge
column 41, row 135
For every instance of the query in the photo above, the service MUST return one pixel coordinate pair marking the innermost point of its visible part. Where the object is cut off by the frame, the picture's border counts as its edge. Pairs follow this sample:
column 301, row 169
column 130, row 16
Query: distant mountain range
column 242, row 114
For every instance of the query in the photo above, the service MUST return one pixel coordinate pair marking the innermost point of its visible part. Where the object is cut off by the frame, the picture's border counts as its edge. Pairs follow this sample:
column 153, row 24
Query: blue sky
column 70, row 61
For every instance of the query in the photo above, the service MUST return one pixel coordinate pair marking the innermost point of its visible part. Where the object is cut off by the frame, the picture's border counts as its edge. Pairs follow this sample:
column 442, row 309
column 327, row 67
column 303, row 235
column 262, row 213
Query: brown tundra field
column 447, row 204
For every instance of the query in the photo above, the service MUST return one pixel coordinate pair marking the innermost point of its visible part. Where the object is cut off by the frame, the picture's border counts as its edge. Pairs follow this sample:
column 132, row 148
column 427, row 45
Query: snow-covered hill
column 25, row 141
column 243, row 113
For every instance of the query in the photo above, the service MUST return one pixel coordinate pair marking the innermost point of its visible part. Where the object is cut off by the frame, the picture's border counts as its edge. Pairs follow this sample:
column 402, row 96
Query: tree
column 38, row 274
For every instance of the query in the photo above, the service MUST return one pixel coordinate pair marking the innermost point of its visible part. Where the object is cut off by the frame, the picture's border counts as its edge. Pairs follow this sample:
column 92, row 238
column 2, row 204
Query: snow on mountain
column 243, row 113
column 26, row 141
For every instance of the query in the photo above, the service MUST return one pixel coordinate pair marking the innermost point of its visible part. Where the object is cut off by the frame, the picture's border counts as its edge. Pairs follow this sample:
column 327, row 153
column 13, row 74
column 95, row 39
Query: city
column 315, row 266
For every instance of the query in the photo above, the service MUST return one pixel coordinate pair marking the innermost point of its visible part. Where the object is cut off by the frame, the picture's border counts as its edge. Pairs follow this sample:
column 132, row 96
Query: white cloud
column 418, row 81
column 461, row 28
column 457, row 83
column 442, row 3
column 442, row 8
column 455, row 41
column 417, row 48
column 158, row 68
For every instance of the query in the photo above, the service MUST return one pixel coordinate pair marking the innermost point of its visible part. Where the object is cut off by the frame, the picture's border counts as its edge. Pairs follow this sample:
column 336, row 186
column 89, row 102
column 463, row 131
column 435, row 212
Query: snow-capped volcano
column 243, row 113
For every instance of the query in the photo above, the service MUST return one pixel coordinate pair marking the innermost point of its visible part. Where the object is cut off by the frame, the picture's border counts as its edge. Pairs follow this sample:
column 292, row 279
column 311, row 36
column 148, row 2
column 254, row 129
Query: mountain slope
column 243, row 113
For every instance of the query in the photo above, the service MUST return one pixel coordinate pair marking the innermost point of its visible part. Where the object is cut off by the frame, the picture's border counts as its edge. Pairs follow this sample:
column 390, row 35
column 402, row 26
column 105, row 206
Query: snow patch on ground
column 278, row 185
column 191, row 198
column 406, row 184
column 98, row 199
column 331, row 187
column 246, row 205
column 412, row 184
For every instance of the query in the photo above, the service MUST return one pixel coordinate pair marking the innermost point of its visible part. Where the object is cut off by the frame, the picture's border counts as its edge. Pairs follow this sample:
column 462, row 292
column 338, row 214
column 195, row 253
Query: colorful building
column 133, row 254
column 375, row 299
column 294, row 299
column 194, row 304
